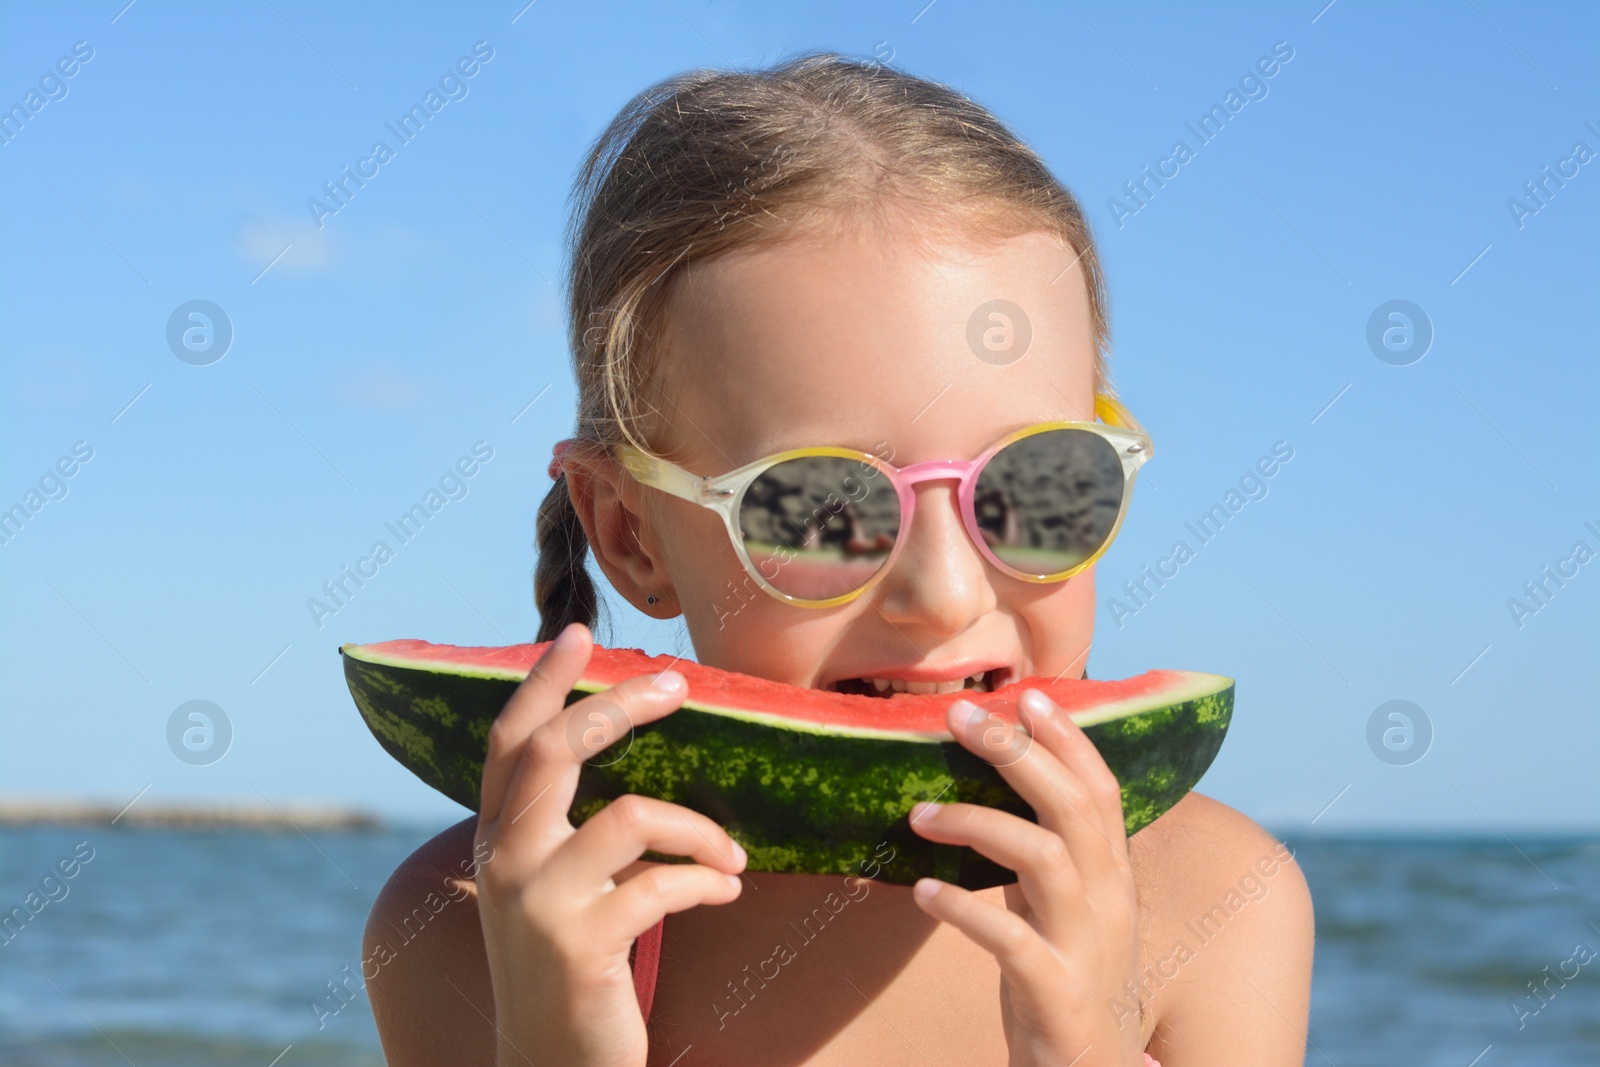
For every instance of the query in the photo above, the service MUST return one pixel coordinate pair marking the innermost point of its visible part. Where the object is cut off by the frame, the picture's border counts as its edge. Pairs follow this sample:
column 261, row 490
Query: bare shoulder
column 1203, row 845
column 422, row 937
column 1228, row 931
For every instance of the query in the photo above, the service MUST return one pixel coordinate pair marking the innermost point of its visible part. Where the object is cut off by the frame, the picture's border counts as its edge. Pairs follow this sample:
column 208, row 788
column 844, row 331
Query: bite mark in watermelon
column 807, row 780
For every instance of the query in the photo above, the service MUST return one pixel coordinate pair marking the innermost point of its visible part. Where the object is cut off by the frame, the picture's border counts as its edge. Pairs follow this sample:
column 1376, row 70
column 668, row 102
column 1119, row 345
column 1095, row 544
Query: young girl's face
column 858, row 341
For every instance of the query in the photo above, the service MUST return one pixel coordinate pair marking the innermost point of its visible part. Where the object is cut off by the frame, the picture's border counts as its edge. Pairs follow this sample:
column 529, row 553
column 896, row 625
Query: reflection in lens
column 1046, row 503
column 819, row 527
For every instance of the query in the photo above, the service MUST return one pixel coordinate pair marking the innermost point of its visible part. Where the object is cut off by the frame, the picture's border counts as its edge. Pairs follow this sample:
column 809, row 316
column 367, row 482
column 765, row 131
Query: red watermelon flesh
column 807, row 780
column 1086, row 700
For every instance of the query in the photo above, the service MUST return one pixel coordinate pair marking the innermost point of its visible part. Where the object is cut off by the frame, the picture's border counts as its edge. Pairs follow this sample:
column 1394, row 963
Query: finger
column 1078, row 754
column 1060, row 800
column 545, row 780
column 540, row 696
column 1027, row 960
column 644, row 899
column 622, row 831
column 1041, row 859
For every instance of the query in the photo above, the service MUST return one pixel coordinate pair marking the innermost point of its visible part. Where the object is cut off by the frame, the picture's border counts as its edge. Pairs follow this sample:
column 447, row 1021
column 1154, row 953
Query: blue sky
column 1377, row 163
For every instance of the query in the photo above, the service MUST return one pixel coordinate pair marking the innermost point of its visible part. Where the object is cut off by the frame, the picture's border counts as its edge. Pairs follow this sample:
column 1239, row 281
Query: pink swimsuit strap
column 645, row 958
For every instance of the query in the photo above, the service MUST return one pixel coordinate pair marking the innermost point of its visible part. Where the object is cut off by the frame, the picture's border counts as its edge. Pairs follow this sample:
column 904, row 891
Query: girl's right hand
column 560, row 907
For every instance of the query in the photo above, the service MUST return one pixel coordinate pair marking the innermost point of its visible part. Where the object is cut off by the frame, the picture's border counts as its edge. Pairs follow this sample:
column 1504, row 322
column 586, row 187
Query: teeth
column 900, row 685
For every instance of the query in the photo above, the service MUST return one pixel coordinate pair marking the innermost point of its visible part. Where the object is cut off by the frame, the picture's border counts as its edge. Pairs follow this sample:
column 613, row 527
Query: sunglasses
column 820, row 526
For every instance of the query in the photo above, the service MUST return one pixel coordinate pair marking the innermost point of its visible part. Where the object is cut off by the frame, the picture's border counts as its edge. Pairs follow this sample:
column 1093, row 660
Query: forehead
column 857, row 340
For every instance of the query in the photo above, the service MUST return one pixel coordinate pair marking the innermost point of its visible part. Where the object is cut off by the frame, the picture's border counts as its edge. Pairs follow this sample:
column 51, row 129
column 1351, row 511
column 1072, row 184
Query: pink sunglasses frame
column 724, row 494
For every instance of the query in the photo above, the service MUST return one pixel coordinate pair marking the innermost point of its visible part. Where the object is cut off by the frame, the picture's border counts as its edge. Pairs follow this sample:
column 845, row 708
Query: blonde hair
column 707, row 161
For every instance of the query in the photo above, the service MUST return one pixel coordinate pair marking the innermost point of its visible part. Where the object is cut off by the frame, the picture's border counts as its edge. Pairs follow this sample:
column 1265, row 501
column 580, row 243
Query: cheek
column 699, row 560
column 738, row 626
column 1058, row 618
column 765, row 638
column 733, row 623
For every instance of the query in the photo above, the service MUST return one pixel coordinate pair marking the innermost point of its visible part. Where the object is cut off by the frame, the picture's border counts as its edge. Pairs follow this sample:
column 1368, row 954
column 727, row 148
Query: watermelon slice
column 807, row 780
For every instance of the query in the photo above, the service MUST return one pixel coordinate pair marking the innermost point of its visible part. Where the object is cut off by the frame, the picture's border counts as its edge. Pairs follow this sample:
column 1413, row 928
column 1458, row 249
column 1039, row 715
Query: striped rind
column 798, row 800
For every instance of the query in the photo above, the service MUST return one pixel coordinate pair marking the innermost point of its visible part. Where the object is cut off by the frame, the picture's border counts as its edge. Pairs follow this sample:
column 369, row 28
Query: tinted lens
column 820, row 526
column 1046, row 503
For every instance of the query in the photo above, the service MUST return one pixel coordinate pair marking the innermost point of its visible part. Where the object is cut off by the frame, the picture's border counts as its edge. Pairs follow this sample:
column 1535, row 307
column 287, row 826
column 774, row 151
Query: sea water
column 222, row 947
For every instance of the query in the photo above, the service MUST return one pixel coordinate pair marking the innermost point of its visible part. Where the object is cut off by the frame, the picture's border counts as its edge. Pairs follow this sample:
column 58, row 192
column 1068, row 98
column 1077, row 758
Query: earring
column 650, row 599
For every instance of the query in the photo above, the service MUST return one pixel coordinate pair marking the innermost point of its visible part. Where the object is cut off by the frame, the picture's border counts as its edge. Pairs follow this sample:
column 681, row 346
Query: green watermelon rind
column 797, row 800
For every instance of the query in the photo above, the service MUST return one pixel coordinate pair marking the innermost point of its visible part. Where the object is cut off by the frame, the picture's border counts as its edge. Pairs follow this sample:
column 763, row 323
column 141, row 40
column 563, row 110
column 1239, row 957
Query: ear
column 609, row 504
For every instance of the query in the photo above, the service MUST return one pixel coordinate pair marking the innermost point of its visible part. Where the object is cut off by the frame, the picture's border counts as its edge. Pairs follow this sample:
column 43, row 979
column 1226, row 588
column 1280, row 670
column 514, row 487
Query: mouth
column 980, row 681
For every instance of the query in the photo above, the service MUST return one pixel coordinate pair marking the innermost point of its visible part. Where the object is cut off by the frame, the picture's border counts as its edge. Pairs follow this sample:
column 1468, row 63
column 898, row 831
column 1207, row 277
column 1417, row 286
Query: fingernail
column 924, row 809
column 1036, row 703
column 567, row 638
column 740, row 855
column 733, row 880
column 670, row 682
column 965, row 711
column 925, row 889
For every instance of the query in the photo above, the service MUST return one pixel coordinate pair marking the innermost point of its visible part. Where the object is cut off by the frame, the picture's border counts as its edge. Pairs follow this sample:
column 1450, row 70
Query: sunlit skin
column 839, row 358
column 851, row 340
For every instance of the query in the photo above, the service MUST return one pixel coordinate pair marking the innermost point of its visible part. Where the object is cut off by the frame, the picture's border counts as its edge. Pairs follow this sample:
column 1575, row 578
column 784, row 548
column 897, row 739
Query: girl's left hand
column 1067, row 939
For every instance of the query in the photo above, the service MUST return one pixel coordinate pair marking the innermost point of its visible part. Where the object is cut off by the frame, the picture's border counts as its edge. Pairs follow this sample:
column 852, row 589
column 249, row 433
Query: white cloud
column 379, row 385
column 260, row 241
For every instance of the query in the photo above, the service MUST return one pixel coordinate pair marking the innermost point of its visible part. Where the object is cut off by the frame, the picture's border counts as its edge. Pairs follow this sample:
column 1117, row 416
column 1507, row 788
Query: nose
column 940, row 583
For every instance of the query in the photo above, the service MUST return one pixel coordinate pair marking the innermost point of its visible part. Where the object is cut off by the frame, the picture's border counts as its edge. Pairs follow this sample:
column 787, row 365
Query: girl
column 844, row 259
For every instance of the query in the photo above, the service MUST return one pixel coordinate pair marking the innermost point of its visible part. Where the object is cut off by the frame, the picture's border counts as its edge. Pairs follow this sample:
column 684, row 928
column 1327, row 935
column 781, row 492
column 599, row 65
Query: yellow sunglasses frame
column 724, row 493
